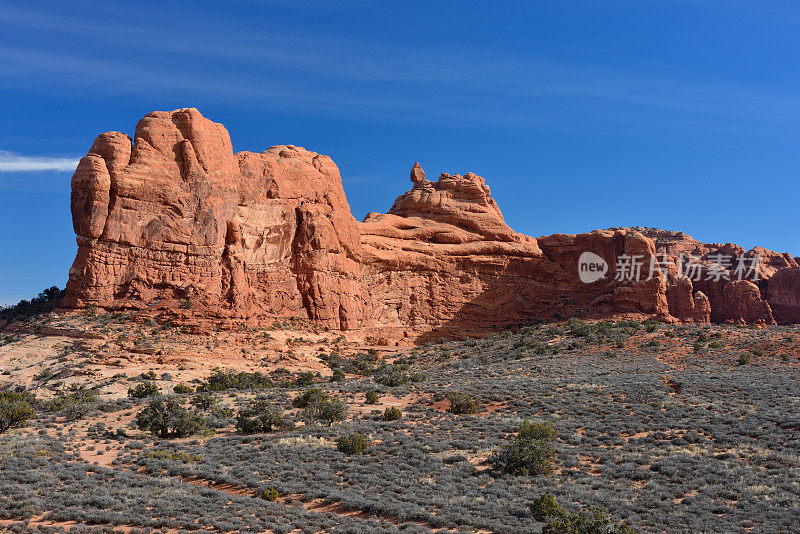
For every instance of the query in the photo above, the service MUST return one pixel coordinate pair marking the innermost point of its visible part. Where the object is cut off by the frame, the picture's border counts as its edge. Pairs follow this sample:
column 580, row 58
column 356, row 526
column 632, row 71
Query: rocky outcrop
column 179, row 216
column 174, row 215
column 743, row 303
column 783, row 295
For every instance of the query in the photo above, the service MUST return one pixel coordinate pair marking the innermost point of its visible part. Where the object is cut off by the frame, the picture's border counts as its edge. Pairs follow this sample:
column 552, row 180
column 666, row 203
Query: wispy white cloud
column 12, row 162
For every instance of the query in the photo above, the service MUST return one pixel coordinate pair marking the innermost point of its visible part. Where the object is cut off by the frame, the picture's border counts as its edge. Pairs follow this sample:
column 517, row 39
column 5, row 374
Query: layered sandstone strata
column 174, row 215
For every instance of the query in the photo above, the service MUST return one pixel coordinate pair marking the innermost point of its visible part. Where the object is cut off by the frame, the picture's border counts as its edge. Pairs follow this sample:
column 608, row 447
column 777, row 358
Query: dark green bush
column 461, row 403
column 309, row 396
column 354, row 443
column 167, row 418
column 537, row 430
column 560, row 521
column 337, row 376
column 392, row 414
column 259, row 417
column 325, row 410
column 545, row 507
column 67, row 400
column 72, row 406
column 143, row 390
column 270, row 494
column 203, row 400
column 304, row 379
column 15, row 409
column 417, row 377
column 391, row 375
column 529, row 453
column 372, row 397
column 318, row 406
column 221, row 380
column 182, row 388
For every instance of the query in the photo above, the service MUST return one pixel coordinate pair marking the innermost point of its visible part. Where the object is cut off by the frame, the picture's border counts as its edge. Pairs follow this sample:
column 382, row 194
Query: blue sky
column 682, row 115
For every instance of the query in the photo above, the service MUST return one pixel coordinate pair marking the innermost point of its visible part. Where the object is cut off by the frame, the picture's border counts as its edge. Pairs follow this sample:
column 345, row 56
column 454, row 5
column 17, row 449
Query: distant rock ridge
column 174, row 215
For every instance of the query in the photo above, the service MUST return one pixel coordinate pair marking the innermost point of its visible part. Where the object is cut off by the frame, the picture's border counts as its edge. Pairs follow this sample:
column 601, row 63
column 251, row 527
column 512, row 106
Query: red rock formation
column 783, row 295
column 743, row 303
column 181, row 217
column 177, row 215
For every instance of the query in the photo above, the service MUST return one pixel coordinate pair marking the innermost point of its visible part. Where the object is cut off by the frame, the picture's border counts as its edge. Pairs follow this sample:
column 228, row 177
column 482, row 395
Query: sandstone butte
column 174, row 216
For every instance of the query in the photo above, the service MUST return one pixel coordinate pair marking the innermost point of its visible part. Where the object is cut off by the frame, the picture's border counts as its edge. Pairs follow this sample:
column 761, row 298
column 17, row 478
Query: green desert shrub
column 143, row 390
column 66, row 400
column 44, row 302
column 319, row 407
column 167, row 418
column 72, row 406
column 270, row 494
column 304, row 379
column 392, row 414
column 182, row 388
column 461, row 403
column 221, row 380
column 260, row 416
column 337, row 376
column 529, row 453
column 354, row 443
column 537, row 430
column 309, row 396
column 326, row 410
column 391, row 375
column 560, row 521
column 372, row 397
column 15, row 409
column 203, row 401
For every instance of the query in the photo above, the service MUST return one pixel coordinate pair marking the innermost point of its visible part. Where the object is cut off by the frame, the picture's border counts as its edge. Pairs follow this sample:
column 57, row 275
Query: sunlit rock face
column 175, row 215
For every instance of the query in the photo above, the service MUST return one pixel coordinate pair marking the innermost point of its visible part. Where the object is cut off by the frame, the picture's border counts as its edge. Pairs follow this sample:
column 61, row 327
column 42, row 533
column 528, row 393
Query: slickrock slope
column 175, row 215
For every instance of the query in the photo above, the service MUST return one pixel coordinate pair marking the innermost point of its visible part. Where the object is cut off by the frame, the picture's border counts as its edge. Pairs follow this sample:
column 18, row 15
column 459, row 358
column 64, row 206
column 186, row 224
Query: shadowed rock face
column 175, row 214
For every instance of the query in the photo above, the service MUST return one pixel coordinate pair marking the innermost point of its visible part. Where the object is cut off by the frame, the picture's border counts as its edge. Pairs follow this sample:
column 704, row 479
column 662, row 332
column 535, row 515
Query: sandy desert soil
column 671, row 428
